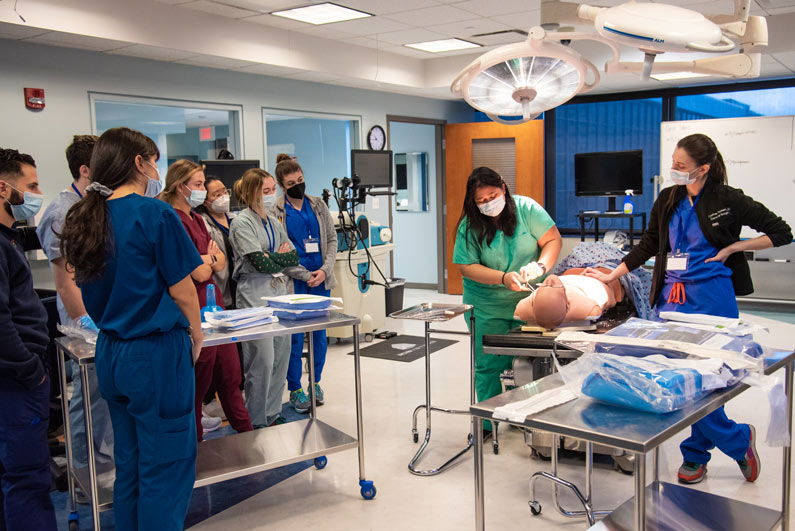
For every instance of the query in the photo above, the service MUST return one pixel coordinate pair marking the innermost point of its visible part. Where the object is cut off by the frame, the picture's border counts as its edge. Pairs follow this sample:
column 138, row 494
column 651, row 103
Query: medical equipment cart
column 236, row 455
column 430, row 312
column 659, row 505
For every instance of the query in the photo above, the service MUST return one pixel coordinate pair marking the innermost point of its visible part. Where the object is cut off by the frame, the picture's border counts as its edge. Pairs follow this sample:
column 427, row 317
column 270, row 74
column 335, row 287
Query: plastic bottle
column 211, row 306
column 629, row 207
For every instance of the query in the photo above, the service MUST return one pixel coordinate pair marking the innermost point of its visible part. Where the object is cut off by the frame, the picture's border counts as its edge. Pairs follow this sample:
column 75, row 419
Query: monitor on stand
column 608, row 174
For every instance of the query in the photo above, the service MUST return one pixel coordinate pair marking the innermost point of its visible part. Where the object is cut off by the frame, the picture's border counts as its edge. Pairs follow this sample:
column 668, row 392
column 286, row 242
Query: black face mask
column 296, row 191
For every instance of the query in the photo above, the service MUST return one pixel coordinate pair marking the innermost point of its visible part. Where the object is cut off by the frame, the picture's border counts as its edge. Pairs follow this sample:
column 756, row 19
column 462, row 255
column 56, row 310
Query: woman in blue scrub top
column 694, row 233
column 133, row 259
column 311, row 230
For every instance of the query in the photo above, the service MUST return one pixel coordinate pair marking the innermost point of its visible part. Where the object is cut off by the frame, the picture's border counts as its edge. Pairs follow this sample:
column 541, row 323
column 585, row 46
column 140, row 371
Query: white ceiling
column 369, row 53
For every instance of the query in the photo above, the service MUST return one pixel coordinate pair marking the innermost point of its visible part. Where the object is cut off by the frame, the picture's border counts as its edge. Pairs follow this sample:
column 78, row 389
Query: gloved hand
column 86, row 323
column 532, row 271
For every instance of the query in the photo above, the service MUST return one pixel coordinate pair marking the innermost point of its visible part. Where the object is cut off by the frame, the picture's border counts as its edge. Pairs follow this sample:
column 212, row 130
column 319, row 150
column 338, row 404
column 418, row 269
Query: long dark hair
column 485, row 227
column 702, row 150
column 87, row 239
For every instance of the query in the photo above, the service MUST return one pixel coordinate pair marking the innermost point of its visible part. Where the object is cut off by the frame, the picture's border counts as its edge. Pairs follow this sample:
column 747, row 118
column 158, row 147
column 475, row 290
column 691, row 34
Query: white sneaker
column 210, row 423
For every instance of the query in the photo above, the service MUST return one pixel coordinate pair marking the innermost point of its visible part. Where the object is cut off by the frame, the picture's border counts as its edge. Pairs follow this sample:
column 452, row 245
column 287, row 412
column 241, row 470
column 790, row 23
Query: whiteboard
column 758, row 152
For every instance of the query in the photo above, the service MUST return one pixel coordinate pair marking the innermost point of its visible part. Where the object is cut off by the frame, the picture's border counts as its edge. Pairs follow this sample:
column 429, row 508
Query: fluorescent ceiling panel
column 443, row 45
column 325, row 13
column 668, row 76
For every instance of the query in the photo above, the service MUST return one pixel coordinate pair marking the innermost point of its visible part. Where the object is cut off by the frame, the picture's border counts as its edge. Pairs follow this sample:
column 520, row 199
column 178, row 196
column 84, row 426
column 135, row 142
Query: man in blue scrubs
column 24, row 389
column 71, row 310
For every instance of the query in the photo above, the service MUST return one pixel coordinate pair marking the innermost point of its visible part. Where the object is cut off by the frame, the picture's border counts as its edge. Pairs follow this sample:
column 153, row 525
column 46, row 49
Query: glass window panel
column 764, row 102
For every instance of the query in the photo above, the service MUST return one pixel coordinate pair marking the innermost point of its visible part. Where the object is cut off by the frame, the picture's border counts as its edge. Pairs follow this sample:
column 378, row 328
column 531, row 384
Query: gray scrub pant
column 100, row 417
column 264, row 360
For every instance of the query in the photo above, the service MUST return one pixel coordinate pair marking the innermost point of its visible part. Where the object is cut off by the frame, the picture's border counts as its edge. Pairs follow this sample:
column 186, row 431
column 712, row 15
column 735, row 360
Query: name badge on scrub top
column 677, row 262
column 312, row 245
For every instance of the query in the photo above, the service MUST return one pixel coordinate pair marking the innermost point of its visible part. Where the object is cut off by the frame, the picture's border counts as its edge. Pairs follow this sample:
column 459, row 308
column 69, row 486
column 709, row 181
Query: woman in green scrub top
column 502, row 241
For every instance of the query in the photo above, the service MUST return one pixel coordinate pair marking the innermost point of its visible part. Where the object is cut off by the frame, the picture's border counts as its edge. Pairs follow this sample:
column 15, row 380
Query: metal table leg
column 92, row 466
column 787, row 461
column 640, row 492
column 67, row 432
column 311, row 363
column 429, row 408
column 367, row 488
column 480, row 517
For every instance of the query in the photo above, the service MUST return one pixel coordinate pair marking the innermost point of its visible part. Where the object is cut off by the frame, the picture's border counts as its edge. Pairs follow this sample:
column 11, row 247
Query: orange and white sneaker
column 751, row 465
column 690, row 472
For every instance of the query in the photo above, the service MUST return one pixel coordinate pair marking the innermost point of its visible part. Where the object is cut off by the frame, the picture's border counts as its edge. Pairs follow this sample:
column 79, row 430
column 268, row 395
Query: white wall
column 68, row 75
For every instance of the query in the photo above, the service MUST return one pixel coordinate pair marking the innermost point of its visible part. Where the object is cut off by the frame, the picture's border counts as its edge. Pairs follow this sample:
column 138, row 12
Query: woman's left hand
column 722, row 255
column 284, row 247
column 317, row 278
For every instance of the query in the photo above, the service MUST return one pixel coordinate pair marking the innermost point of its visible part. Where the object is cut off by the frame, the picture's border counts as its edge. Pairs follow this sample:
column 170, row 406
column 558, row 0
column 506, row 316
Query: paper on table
column 518, row 411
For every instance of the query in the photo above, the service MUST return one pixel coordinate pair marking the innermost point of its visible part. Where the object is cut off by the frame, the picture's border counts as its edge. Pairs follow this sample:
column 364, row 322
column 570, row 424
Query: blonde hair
column 285, row 165
column 248, row 189
column 178, row 174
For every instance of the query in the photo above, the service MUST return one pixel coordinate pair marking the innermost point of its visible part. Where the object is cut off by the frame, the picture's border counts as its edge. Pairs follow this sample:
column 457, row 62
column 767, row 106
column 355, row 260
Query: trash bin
column 394, row 295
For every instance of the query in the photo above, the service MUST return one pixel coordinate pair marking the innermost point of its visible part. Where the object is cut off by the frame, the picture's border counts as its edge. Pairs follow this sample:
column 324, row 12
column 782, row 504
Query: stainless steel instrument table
column 640, row 432
column 235, row 455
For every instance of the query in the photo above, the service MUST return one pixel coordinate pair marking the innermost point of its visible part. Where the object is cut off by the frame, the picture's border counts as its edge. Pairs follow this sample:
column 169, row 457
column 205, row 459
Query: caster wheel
column 74, row 523
column 368, row 493
column 496, row 448
column 321, row 462
column 535, row 507
column 368, row 338
column 416, row 437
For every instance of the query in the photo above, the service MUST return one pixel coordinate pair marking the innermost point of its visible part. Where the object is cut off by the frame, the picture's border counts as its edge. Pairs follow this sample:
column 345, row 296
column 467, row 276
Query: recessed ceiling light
column 676, row 75
column 443, row 45
column 324, row 13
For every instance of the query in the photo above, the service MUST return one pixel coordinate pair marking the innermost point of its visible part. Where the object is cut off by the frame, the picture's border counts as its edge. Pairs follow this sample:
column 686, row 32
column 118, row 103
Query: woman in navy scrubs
column 133, row 260
column 311, row 230
column 694, row 234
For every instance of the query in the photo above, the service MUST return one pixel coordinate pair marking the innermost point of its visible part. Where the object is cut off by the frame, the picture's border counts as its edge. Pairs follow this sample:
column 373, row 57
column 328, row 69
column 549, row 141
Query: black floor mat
column 403, row 348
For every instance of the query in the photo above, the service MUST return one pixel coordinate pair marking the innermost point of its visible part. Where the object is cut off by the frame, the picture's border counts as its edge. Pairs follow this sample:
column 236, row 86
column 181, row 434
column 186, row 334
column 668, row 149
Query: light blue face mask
column 153, row 186
column 31, row 204
column 268, row 200
column 196, row 198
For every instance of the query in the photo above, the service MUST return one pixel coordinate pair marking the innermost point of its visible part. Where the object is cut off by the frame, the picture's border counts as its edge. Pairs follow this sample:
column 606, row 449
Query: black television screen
column 229, row 171
column 374, row 168
column 608, row 173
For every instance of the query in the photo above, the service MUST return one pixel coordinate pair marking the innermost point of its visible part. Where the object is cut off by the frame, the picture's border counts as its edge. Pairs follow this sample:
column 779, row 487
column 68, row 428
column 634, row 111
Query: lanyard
column 77, row 191
column 224, row 229
column 684, row 222
column 271, row 234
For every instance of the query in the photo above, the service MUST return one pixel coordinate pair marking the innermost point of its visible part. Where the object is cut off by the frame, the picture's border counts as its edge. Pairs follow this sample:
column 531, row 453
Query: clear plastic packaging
column 301, row 302
column 73, row 329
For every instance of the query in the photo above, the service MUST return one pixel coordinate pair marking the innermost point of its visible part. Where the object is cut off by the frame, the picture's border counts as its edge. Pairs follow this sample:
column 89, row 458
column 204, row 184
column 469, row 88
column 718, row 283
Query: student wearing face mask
column 217, row 218
column 308, row 223
column 263, row 253
column 694, row 235
column 218, row 366
column 502, row 241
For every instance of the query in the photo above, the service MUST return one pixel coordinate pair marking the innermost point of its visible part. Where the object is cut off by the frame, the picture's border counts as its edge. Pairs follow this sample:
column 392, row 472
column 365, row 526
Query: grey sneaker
column 299, row 401
column 320, row 398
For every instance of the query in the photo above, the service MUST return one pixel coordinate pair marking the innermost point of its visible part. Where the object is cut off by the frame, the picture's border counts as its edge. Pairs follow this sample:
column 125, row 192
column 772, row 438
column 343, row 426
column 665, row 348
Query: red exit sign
column 206, row 133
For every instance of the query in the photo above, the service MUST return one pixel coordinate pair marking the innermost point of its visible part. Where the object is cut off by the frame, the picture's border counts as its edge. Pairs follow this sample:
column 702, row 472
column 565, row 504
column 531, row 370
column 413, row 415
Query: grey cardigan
column 328, row 239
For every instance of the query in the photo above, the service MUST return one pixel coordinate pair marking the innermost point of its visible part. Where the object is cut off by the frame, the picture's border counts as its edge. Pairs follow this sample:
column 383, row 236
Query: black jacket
column 23, row 320
column 722, row 211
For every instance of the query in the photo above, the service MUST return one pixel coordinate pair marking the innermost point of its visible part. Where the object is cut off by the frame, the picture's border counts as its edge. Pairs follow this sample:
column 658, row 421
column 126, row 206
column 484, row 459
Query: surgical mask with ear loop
column 682, row 177
column 31, row 204
column 221, row 204
column 153, row 186
column 494, row 207
column 268, row 200
column 196, row 197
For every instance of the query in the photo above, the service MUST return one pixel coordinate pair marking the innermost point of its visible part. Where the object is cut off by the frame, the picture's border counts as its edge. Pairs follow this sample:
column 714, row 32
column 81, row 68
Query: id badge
column 677, row 261
column 312, row 245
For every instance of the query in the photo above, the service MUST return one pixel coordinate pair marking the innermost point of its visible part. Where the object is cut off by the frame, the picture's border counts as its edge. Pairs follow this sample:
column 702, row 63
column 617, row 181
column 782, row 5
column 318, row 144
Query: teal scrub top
column 151, row 252
column 505, row 253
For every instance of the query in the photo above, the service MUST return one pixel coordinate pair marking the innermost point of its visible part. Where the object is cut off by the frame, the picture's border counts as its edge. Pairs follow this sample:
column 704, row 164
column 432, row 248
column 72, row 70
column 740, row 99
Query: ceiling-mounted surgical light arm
column 732, row 66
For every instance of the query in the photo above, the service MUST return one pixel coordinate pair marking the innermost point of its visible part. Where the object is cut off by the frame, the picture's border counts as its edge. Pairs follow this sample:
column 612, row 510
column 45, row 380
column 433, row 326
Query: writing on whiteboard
column 739, row 133
column 732, row 162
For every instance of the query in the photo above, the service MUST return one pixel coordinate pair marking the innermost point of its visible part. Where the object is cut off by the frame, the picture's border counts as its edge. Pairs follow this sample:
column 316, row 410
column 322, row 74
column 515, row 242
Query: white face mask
column 494, row 207
column 196, row 197
column 221, row 204
column 682, row 177
column 268, row 200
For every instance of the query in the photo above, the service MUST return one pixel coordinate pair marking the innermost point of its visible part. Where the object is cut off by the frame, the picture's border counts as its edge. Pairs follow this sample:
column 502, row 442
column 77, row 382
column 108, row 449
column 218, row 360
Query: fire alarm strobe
column 34, row 98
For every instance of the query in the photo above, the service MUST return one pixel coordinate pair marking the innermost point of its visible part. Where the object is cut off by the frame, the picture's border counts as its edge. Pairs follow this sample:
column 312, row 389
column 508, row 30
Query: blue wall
column 322, row 147
column 415, row 233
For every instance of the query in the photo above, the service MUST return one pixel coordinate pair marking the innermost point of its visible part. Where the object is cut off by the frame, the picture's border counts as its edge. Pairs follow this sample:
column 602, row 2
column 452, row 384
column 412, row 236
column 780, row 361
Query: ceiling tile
column 367, row 42
column 523, row 20
column 504, row 37
column 467, row 28
column 430, row 16
column 410, row 36
column 411, row 52
column 369, row 26
column 153, row 52
column 268, row 70
column 317, row 77
column 325, row 32
column 786, row 58
column 83, row 42
column 490, row 8
column 215, row 8
column 780, row 10
column 18, row 31
column 277, row 22
column 385, row 7
column 264, row 6
column 173, row 2
column 213, row 61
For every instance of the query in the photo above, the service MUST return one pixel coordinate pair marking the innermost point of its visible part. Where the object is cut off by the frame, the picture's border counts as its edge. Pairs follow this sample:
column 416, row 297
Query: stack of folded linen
column 231, row 320
column 299, row 306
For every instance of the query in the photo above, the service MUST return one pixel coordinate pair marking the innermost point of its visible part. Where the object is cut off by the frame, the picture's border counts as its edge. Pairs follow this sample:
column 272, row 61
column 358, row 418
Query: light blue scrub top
column 151, row 251
column 51, row 223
